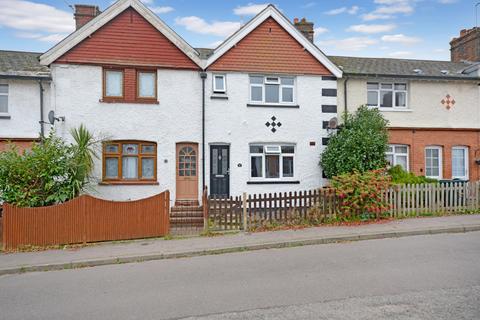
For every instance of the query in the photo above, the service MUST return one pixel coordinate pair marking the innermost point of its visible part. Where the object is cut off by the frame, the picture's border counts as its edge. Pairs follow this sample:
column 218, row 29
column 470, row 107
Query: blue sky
column 418, row 29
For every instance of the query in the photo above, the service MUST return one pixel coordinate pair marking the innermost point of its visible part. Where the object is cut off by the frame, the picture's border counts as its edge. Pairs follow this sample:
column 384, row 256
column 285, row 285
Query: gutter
column 203, row 75
column 413, row 77
column 16, row 77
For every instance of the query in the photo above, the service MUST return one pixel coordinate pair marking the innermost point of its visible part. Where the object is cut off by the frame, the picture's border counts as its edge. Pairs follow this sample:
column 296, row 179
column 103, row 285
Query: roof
column 272, row 12
column 204, row 52
column 110, row 13
column 406, row 68
column 22, row 64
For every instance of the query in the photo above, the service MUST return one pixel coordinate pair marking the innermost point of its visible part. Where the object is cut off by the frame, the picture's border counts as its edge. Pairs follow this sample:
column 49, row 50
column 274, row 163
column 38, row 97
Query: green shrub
column 400, row 176
column 51, row 172
column 360, row 193
column 360, row 144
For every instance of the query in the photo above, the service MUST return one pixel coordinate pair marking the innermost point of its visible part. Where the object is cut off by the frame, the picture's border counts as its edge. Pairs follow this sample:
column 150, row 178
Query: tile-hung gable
column 271, row 43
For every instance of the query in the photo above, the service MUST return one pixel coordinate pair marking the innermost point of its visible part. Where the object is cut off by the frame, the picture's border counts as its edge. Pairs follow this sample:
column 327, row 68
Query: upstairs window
column 272, row 90
column 129, row 161
column 3, row 99
column 387, row 95
column 219, row 83
column 272, row 161
column 147, row 84
column 113, row 83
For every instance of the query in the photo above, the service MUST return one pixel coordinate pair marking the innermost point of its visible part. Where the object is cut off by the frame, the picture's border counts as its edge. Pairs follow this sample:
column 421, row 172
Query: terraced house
column 251, row 115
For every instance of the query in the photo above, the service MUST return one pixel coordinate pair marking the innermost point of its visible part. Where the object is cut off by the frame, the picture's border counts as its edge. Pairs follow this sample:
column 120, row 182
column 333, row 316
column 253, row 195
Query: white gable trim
column 118, row 7
column 268, row 12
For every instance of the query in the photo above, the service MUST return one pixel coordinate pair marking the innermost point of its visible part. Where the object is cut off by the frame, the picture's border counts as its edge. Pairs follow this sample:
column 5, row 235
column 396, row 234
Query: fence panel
column 86, row 219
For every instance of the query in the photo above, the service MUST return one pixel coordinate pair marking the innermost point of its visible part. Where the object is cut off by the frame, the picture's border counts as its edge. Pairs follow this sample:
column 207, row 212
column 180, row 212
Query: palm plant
column 83, row 155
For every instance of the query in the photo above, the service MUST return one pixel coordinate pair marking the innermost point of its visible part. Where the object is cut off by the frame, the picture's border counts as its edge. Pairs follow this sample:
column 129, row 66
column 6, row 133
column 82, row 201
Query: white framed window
column 147, row 84
column 113, row 83
column 460, row 162
column 397, row 154
column 272, row 162
column 388, row 95
column 272, row 90
column 219, row 83
column 433, row 162
column 3, row 99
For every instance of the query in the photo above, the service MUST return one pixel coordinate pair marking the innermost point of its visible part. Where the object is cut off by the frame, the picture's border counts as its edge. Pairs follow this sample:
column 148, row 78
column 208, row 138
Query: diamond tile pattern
column 448, row 101
column 273, row 124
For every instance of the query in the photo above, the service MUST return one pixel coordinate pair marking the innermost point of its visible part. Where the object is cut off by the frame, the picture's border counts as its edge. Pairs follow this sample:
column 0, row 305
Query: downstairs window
column 270, row 162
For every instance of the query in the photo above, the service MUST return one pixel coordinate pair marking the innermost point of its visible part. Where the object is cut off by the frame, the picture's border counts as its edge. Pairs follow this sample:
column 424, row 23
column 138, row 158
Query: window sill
column 266, row 105
column 394, row 110
column 219, row 96
column 137, row 101
column 5, row 116
column 273, row 182
column 128, row 183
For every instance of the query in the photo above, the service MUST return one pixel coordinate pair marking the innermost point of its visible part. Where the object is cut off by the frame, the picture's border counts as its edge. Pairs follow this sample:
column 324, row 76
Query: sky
column 417, row 29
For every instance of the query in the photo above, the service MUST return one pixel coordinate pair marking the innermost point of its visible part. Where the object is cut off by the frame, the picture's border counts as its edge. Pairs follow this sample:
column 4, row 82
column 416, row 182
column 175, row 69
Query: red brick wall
column 84, row 13
column 418, row 139
column 467, row 46
column 21, row 144
column 269, row 48
column 128, row 39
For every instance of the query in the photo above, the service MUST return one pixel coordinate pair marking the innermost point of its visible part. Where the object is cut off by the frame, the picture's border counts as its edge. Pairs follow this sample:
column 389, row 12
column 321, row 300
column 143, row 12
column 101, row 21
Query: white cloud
column 349, row 44
column 215, row 44
column 54, row 38
column 334, row 12
column 216, row 28
column 372, row 28
column 31, row 16
column 387, row 9
column 400, row 8
column 319, row 30
column 146, row 1
column 400, row 54
column 250, row 9
column 375, row 16
column 441, row 50
column 309, row 5
column 400, row 38
column 447, row 1
column 160, row 10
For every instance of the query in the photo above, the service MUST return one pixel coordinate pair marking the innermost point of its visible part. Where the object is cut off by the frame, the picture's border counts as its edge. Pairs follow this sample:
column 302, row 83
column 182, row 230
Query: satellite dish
column 333, row 123
column 51, row 117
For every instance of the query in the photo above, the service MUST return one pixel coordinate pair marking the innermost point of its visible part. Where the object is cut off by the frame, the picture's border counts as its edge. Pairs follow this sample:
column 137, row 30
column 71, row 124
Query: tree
column 51, row 172
column 360, row 144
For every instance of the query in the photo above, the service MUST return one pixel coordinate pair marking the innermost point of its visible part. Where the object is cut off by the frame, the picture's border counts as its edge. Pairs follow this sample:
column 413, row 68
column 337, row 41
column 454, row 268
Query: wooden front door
column 187, row 171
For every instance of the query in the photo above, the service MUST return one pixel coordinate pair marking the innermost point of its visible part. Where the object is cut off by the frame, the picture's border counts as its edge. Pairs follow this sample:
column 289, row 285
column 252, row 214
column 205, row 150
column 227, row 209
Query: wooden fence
column 233, row 213
column 85, row 219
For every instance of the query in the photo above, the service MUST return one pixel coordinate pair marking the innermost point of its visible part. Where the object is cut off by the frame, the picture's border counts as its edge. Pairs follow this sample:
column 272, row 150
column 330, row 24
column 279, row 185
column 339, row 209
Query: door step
column 186, row 203
column 188, row 218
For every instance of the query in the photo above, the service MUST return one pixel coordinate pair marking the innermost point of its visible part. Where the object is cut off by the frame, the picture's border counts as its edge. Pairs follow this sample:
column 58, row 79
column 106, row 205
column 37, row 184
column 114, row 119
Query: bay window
column 460, row 163
column 272, row 90
column 270, row 162
column 397, row 155
column 129, row 161
column 387, row 95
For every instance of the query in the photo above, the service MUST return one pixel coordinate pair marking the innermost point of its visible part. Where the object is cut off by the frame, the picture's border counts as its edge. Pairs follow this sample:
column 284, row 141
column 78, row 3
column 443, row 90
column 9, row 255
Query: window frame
column 119, row 155
column 215, row 90
column 105, row 70
column 393, row 90
column 440, row 161
column 8, row 98
column 395, row 154
column 466, row 163
column 281, row 156
column 280, row 88
column 137, row 94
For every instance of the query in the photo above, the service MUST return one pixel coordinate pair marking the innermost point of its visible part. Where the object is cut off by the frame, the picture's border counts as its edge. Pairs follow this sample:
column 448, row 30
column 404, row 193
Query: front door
column 220, row 170
column 187, row 173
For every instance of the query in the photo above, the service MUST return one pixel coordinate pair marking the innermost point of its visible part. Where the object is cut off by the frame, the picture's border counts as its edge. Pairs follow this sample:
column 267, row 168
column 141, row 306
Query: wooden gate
column 86, row 219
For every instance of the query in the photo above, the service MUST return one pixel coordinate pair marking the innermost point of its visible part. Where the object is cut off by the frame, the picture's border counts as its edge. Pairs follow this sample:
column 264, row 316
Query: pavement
column 427, row 277
column 157, row 249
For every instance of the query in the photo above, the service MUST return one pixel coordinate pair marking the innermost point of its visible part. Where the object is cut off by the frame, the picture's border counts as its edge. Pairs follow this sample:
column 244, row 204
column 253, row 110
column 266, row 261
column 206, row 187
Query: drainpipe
column 203, row 75
column 42, row 131
column 345, row 95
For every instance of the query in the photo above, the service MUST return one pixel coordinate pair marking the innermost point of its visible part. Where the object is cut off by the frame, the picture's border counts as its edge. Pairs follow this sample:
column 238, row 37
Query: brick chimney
column 84, row 13
column 466, row 46
column 305, row 27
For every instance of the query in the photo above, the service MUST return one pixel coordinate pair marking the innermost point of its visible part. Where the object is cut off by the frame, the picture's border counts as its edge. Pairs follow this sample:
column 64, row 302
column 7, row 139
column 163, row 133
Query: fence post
column 205, row 209
column 244, row 213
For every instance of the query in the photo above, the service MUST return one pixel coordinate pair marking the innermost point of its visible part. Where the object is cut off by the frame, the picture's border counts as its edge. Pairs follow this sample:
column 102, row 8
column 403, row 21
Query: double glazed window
column 398, row 155
column 460, row 163
column 433, row 162
column 129, row 161
column 3, row 98
column 219, row 83
column 272, row 161
column 272, row 90
column 387, row 95
column 144, row 84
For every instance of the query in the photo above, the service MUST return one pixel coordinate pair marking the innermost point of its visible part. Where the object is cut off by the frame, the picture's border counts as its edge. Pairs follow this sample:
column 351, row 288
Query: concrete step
column 187, row 208
column 186, row 203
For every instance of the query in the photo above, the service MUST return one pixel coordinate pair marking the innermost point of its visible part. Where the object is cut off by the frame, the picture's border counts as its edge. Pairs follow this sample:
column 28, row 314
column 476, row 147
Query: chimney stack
column 305, row 27
column 84, row 13
column 466, row 46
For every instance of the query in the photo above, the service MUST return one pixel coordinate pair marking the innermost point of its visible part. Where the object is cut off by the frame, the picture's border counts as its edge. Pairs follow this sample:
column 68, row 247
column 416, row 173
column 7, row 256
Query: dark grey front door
column 220, row 170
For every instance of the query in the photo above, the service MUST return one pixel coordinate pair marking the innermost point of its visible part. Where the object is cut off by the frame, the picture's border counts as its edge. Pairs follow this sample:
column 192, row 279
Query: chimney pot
column 84, row 13
column 295, row 20
column 305, row 27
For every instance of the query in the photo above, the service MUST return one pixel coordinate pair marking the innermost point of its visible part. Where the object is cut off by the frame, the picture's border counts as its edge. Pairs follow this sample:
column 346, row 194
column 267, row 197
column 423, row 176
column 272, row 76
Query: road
column 423, row 277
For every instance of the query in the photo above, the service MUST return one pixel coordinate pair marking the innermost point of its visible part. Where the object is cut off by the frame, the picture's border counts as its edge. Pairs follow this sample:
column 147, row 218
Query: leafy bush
column 400, row 176
column 360, row 144
column 51, row 172
column 361, row 193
